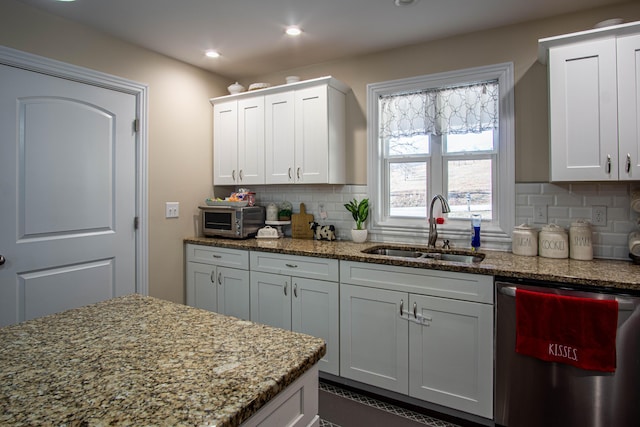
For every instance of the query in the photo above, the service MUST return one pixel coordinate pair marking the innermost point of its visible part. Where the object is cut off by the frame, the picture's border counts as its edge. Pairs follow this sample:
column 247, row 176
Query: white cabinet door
column 311, row 135
column 629, row 106
column 201, row 287
column 583, row 111
column 374, row 339
column 251, row 141
column 233, row 292
column 271, row 299
column 219, row 289
column 225, row 143
column 451, row 354
column 314, row 311
column 279, row 138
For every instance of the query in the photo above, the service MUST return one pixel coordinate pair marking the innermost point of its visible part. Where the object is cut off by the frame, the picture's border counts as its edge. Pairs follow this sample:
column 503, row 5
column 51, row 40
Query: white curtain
column 450, row 110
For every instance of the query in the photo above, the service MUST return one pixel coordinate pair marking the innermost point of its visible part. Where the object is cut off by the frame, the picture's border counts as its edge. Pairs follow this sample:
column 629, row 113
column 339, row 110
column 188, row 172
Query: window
column 450, row 134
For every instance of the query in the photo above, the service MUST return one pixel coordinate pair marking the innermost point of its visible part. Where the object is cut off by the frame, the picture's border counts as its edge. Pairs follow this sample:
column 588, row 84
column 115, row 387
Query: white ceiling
column 249, row 33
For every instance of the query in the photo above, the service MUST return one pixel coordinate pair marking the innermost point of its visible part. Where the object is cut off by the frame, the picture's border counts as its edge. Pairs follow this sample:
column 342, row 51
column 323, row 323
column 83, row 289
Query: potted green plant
column 360, row 213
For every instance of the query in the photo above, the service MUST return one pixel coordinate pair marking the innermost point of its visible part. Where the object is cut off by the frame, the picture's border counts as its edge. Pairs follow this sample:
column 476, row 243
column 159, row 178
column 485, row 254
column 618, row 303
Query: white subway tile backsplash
column 565, row 203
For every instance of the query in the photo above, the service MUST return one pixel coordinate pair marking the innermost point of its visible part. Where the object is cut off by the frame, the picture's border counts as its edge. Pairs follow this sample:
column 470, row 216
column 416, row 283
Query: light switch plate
column 172, row 209
column 539, row 214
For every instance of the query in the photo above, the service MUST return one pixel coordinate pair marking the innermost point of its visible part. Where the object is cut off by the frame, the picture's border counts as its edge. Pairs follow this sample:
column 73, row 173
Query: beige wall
column 180, row 114
column 517, row 44
column 180, row 130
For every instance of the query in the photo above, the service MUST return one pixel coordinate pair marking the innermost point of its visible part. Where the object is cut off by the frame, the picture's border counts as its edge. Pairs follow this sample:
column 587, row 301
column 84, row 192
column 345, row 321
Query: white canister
column 272, row 212
column 580, row 244
column 634, row 243
column 525, row 240
column 553, row 242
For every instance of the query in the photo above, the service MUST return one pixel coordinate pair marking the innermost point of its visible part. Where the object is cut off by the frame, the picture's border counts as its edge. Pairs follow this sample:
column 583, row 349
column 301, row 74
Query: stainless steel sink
column 465, row 258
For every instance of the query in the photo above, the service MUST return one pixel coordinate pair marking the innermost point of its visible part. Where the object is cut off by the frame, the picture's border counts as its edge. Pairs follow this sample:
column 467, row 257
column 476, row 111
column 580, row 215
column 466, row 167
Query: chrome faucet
column 433, row 226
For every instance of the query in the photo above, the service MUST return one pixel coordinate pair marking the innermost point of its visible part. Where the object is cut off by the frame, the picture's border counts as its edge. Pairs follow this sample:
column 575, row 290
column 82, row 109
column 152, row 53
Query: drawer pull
column 289, row 174
column 401, row 307
column 285, row 289
column 220, row 278
column 291, row 265
column 213, row 280
column 233, row 175
column 216, row 256
column 608, row 168
column 298, row 173
column 628, row 167
column 295, row 290
column 415, row 310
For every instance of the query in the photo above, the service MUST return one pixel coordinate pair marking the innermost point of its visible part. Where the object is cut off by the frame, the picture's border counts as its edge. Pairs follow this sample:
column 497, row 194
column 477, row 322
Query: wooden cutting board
column 300, row 224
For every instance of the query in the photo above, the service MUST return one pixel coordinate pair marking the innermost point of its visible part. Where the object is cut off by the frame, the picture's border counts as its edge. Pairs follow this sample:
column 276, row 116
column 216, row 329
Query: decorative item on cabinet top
column 335, row 83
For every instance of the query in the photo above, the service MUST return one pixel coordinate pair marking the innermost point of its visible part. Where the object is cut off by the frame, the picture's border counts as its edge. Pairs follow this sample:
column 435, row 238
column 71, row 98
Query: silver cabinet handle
column 285, row 288
column 295, row 290
column 2, row 260
column 401, row 307
column 240, row 174
column 216, row 256
column 608, row 168
column 289, row 172
column 233, row 174
column 213, row 280
column 628, row 168
column 220, row 278
column 415, row 310
column 298, row 173
column 291, row 265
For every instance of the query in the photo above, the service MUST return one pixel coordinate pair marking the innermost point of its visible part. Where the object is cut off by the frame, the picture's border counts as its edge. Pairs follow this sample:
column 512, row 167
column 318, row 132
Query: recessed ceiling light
column 212, row 54
column 293, row 31
column 404, row 2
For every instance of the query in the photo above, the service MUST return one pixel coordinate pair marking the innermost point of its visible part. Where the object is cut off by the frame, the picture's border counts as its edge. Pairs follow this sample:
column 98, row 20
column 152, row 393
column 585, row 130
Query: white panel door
column 233, row 292
column 451, row 354
column 251, row 141
column 201, row 287
column 374, row 339
column 67, row 185
column 583, row 111
column 629, row 106
column 225, row 143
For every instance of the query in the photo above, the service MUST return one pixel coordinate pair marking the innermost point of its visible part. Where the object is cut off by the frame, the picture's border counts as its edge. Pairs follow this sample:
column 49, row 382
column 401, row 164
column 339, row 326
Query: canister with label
column 580, row 244
column 525, row 240
column 553, row 242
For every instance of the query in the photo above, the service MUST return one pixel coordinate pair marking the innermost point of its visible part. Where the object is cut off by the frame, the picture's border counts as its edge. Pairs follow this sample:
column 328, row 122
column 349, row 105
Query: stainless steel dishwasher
column 532, row 392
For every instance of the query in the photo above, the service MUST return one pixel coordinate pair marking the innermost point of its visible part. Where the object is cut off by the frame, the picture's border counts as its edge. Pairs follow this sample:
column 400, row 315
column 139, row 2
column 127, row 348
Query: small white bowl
column 292, row 79
column 235, row 88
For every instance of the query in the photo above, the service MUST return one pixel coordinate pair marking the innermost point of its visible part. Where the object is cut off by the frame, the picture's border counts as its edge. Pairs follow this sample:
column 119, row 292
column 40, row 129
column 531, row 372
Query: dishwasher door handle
column 623, row 304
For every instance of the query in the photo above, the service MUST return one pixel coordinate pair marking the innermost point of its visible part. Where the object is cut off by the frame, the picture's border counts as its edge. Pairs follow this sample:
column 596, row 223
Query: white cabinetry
column 217, row 279
column 286, row 134
column 594, row 104
column 300, row 294
column 425, row 333
column 238, row 150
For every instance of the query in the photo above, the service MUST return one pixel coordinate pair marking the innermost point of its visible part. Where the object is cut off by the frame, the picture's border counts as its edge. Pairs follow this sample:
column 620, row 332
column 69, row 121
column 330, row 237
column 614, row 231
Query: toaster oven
column 234, row 222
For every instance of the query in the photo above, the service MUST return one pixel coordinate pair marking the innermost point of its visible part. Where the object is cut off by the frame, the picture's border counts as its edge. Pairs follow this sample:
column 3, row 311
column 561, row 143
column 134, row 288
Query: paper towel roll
column 635, row 200
column 634, row 243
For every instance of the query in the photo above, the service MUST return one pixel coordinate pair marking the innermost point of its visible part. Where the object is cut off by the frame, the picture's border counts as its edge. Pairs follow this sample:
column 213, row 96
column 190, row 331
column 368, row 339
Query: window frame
column 499, row 229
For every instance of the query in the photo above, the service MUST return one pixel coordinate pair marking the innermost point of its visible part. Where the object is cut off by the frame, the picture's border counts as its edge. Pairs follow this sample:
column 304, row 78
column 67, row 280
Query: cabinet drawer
column 294, row 265
column 446, row 284
column 236, row 258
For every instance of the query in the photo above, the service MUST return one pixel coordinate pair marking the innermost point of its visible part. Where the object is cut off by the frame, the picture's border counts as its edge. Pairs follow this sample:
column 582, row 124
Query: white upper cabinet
column 302, row 129
column 238, row 154
column 594, row 118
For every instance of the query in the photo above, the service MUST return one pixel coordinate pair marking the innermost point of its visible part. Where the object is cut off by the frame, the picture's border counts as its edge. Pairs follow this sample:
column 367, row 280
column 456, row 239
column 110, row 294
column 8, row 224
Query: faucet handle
column 445, row 244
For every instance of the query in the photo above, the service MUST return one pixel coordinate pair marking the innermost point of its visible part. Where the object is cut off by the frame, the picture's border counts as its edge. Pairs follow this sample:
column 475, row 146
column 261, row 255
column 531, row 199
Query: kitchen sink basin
column 465, row 258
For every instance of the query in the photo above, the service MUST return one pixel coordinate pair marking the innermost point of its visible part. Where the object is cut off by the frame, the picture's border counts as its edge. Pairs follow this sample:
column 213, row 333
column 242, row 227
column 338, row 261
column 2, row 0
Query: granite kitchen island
column 138, row 360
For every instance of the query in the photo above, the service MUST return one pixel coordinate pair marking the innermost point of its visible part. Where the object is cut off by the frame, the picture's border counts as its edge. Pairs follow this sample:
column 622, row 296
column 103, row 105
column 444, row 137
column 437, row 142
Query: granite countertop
column 138, row 360
column 618, row 276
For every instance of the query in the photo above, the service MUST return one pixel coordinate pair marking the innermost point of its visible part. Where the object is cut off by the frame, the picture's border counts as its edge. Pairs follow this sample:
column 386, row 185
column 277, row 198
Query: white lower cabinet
column 217, row 279
column 283, row 295
column 395, row 334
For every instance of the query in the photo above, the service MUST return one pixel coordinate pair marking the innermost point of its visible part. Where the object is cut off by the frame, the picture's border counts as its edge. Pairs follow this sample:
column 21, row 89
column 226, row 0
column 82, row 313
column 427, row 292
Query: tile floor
column 344, row 408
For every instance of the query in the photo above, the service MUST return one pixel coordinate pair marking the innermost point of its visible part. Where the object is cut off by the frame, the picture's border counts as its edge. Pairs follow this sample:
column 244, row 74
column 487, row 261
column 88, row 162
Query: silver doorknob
column 2, row 260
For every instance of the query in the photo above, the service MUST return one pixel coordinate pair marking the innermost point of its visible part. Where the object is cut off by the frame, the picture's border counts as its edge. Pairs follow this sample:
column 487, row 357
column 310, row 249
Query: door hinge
column 136, row 125
column 136, row 223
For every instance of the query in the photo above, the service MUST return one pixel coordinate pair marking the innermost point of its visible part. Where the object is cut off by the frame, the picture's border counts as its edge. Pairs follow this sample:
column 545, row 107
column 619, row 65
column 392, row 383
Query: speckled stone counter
column 618, row 276
column 138, row 360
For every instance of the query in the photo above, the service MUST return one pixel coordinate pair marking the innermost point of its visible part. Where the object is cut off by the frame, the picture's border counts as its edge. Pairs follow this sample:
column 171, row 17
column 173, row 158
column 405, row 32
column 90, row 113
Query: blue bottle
column 476, row 220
